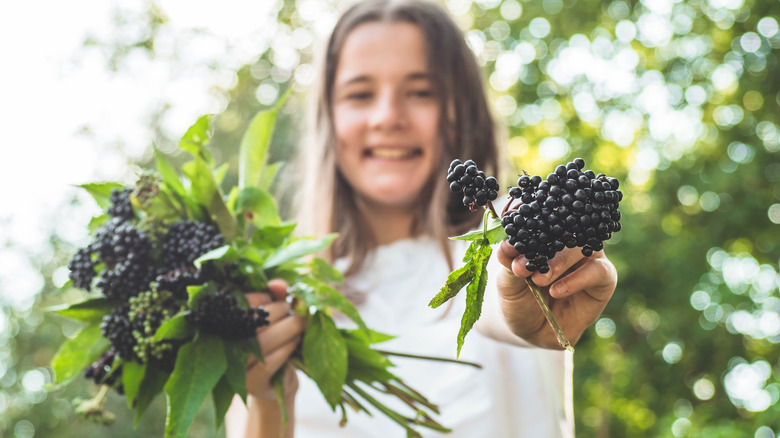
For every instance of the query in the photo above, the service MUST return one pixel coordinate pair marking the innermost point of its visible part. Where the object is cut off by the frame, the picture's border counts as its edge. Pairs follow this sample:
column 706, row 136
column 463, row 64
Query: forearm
column 260, row 418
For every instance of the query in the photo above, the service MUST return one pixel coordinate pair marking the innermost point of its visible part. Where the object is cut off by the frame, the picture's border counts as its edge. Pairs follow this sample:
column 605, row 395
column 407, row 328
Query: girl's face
column 386, row 113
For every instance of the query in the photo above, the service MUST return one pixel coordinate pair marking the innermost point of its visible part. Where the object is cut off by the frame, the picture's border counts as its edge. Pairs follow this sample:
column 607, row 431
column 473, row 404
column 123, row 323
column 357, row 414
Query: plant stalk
column 562, row 340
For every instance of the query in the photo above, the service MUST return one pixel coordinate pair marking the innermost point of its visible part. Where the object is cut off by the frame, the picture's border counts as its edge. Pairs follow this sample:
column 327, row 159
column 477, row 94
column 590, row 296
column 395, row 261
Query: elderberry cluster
column 477, row 188
column 187, row 240
column 121, row 207
column 570, row 208
column 102, row 371
column 219, row 313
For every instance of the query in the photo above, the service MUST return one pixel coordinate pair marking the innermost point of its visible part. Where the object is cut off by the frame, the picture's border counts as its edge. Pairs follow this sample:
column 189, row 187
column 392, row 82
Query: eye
column 360, row 95
column 422, row 93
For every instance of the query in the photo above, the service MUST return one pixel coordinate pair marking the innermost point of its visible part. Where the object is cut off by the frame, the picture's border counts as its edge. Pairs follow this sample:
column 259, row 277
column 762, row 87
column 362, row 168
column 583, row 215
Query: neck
column 388, row 224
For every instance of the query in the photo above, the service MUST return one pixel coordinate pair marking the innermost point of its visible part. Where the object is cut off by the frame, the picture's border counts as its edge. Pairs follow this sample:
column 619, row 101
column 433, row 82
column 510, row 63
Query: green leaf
column 175, row 328
column 272, row 236
column 253, row 347
column 374, row 338
column 194, row 293
column 259, row 206
column 132, row 376
column 331, row 297
column 254, row 147
column 269, row 175
column 475, row 235
column 475, row 294
column 222, row 395
column 101, row 192
column 455, row 282
column 89, row 310
column 298, row 249
column 236, row 357
column 325, row 356
column 206, row 191
column 153, row 382
column 197, row 137
column 169, row 176
column 77, row 353
column 495, row 231
column 324, row 271
column 200, row 364
column 225, row 253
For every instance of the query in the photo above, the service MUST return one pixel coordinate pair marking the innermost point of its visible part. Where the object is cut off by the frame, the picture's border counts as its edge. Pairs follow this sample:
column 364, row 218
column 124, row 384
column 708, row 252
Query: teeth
column 392, row 153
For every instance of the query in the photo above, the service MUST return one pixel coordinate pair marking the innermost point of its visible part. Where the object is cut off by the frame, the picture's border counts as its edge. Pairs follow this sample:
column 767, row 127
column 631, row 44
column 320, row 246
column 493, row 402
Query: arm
column 577, row 288
column 262, row 416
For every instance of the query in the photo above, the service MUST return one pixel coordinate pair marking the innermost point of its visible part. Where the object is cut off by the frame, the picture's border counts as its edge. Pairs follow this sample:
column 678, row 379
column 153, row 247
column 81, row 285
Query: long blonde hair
column 326, row 202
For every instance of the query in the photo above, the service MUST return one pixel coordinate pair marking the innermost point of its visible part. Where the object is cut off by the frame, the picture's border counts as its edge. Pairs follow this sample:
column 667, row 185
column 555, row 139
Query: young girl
column 400, row 96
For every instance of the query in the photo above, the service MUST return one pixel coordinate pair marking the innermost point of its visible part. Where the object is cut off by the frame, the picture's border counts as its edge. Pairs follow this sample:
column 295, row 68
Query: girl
column 399, row 97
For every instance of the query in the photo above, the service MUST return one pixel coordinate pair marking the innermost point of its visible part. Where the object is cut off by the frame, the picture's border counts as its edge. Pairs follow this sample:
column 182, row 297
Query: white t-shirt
column 519, row 392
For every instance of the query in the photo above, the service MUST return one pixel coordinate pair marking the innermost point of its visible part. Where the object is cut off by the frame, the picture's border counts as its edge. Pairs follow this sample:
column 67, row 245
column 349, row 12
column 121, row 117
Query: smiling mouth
column 393, row 153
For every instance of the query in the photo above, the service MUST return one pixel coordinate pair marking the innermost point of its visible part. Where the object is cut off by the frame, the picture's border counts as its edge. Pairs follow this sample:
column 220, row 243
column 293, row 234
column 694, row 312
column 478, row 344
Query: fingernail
column 560, row 290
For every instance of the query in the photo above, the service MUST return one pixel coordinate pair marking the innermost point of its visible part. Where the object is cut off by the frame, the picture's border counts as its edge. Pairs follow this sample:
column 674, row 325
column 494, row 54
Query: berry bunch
column 102, row 371
column 220, row 314
column 121, row 207
column 118, row 328
column 477, row 188
column 187, row 240
column 569, row 208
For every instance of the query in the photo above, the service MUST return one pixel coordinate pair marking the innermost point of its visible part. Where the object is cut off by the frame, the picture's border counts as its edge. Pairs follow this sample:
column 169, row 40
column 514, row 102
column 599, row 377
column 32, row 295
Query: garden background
column 679, row 99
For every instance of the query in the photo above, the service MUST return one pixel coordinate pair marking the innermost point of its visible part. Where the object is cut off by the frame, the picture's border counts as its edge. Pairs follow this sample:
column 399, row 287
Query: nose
column 388, row 112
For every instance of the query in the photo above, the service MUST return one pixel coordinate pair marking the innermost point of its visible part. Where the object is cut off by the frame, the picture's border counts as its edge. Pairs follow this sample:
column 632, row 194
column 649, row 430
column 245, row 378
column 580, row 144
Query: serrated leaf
column 154, row 380
column 324, row 271
column 298, row 249
column 75, row 354
column 200, row 364
column 132, row 376
column 475, row 294
column 222, row 396
column 101, row 192
column 197, row 137
column 475, row 235
column 325, row 356
column 374, row 338
column 236, row 357
column 175, row 328
column 455, row 282
column 90, row 310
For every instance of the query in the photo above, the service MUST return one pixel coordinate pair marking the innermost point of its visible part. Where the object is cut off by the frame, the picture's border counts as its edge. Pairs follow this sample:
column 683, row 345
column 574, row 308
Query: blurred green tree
column 678, row 98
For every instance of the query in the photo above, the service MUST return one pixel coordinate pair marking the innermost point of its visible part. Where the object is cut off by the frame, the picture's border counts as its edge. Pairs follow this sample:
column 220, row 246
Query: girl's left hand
column 577, row 289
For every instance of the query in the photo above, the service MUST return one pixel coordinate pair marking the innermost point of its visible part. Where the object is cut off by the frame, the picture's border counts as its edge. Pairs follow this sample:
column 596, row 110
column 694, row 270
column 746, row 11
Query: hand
column 578, row 289
column 278, row 341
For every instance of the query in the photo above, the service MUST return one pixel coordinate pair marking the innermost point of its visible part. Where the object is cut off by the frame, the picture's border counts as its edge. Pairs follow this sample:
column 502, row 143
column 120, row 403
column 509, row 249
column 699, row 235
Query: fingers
column 278, row 288
column 258, row 298
column 596, row 276
column 259, row 374
column 282, row 331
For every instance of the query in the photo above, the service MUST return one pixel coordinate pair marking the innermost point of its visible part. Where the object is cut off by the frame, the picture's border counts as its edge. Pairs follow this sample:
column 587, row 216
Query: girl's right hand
column 278, row 341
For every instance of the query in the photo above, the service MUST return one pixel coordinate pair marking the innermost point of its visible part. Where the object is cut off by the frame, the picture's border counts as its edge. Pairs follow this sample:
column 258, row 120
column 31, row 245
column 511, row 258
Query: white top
column 519, row 392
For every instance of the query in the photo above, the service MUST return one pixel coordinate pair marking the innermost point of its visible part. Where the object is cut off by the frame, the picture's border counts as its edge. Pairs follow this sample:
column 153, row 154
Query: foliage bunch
column 569, row 208
column 168, row 267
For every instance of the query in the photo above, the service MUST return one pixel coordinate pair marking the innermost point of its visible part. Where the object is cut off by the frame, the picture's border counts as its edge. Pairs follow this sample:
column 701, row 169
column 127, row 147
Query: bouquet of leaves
column 167, row 271
column 571, row 207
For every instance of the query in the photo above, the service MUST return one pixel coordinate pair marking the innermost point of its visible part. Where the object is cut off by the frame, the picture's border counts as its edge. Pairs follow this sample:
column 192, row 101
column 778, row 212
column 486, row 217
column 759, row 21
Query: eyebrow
column 365, row 78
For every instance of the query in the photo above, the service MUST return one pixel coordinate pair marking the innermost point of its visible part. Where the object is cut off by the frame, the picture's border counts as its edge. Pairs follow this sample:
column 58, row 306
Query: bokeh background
column 680, row 99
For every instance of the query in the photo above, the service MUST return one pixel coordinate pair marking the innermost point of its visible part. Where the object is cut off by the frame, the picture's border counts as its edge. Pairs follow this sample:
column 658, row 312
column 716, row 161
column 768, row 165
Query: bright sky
column 51, row 88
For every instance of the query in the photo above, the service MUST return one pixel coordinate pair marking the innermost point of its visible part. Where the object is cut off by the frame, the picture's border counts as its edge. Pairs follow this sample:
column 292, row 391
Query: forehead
column 380, row 49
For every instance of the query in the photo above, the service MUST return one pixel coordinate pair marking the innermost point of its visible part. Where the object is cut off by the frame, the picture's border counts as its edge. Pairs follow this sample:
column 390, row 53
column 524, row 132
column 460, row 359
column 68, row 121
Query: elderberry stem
column 436, row 358
column 562, row 340
column 492, row 209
